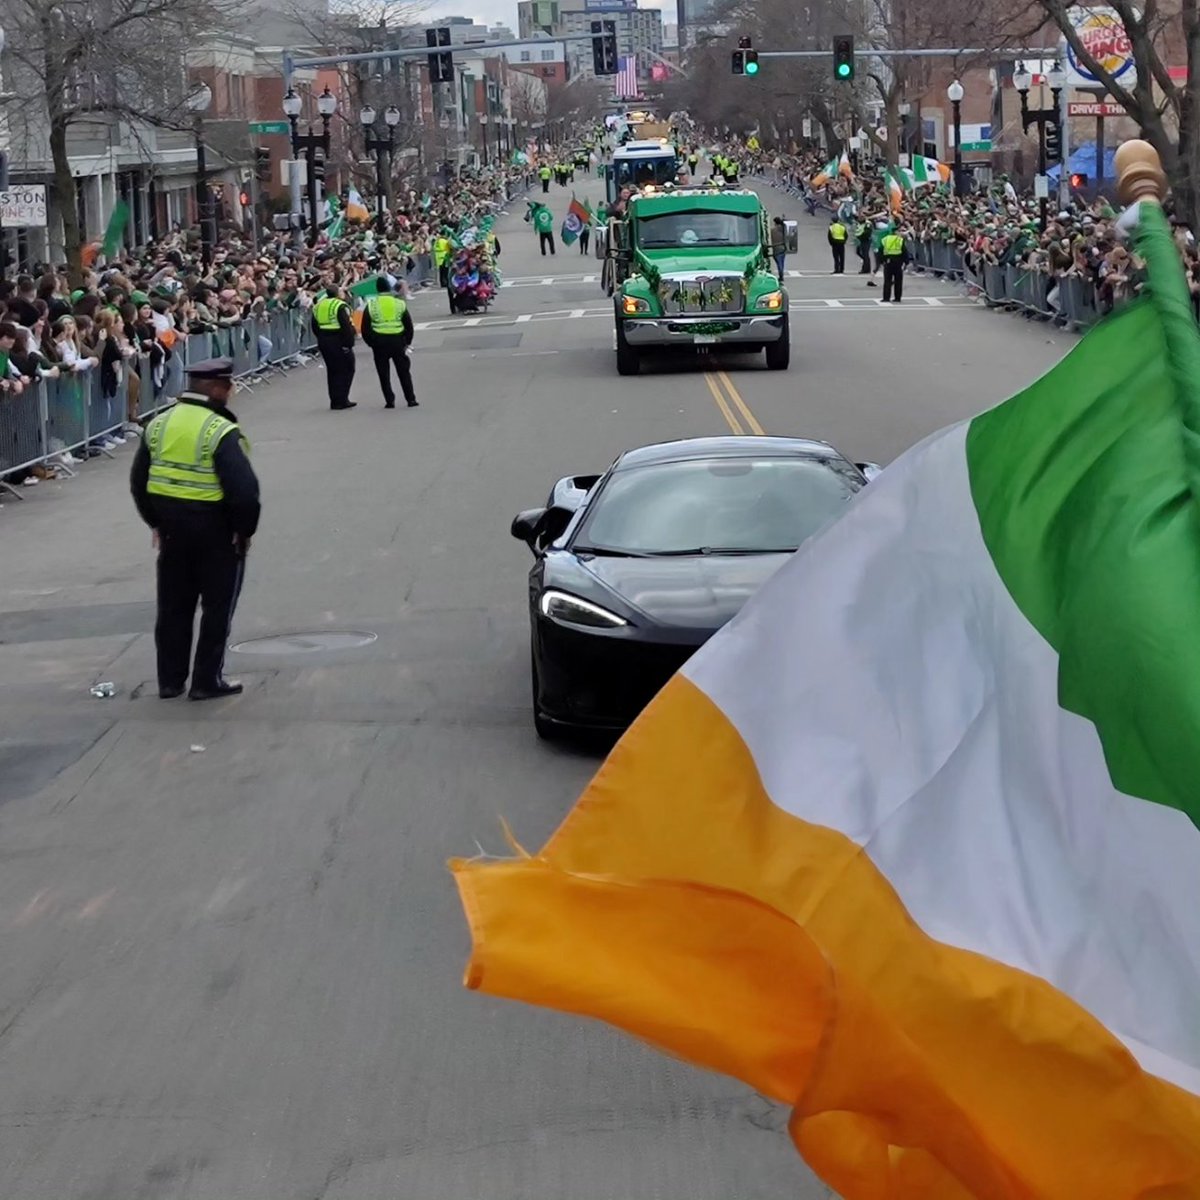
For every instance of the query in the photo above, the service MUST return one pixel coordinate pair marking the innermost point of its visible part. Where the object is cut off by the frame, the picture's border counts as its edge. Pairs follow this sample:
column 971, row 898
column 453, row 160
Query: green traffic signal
column 752, row 65
column 843, row 70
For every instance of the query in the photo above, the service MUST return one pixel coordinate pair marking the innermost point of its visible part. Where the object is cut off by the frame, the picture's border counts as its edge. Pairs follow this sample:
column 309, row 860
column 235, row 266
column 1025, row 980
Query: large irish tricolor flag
column 911, row 846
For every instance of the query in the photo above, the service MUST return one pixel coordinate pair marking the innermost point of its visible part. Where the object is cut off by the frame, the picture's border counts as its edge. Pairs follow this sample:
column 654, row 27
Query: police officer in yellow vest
column 894, row 249
column 335, row 339
column 194, row 486
column 837, row 243
column 443, row 248
column 387, row 328
column 544, row 174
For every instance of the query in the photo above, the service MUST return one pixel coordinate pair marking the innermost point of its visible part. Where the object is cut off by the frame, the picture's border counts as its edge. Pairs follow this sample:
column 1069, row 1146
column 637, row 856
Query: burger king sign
column 1103, row 36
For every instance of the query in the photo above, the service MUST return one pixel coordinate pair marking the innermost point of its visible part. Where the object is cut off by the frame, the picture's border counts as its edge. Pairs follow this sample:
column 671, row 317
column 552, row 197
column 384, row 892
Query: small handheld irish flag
column 578, row 218
column 920, row 858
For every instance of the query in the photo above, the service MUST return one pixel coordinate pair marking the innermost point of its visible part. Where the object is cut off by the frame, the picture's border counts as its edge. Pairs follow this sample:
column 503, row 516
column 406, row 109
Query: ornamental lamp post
column 1056, row 77
column 954, row 93
column 197, row 104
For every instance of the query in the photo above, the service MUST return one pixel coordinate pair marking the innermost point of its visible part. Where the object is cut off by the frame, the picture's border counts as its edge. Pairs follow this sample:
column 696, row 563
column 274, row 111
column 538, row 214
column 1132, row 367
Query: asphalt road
column 231, row 952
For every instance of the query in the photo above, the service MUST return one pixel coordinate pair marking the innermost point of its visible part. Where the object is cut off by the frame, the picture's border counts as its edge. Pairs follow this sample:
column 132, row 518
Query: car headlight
column 634, row 304
column 772, row 300
column 574, row 610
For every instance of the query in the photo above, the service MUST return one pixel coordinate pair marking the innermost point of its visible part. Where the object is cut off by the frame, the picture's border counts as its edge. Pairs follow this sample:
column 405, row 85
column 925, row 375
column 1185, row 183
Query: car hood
column 699, row 261
column 691, row 593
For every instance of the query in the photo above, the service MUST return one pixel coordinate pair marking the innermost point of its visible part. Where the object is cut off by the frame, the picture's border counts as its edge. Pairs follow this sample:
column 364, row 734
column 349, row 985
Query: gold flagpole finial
column 1139, row 173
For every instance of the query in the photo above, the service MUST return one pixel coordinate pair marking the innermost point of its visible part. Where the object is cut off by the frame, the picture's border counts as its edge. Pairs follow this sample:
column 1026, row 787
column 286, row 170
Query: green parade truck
column 690, row 268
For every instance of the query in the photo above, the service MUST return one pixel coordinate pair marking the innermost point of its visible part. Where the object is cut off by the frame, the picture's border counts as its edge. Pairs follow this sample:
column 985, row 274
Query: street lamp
column 1056, row 77
column 380, row 146
column 954, row 93
column 197, row 104
column 310, row 143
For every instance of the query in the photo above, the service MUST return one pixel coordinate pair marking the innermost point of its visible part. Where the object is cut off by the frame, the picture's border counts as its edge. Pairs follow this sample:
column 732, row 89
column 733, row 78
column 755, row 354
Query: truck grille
column 703, row 296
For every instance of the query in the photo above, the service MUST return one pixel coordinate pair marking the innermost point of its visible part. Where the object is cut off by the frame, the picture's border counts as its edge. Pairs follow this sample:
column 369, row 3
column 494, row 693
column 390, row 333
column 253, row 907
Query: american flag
column 626, row 78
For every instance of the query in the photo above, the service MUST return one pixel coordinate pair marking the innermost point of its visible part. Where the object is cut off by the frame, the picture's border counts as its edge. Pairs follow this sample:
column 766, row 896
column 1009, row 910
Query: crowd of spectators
column 121, row 323
column 994, row 225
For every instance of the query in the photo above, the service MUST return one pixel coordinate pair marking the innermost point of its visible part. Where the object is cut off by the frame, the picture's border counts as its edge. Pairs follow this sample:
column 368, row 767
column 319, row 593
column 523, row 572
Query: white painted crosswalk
column 807, row 306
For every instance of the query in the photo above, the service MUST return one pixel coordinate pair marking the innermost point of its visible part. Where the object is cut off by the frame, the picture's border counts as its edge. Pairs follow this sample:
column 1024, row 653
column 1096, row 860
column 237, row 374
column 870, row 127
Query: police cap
column 212, row 368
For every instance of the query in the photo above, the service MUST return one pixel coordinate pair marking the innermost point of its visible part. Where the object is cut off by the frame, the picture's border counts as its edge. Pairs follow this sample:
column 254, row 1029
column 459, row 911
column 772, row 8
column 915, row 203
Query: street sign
column 23, row 207
column 293, row 170
column 1095, row 108
column 984, row 147
column 269, row 127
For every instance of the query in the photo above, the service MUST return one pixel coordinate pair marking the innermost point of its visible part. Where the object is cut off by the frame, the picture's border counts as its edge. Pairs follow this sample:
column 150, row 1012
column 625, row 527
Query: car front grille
column 705, row 296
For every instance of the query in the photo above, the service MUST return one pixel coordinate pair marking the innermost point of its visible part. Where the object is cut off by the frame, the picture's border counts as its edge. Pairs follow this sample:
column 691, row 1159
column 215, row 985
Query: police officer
column 194, row 486
column 544, row 174
column 335, row 340
column 837, row 243
column 387, row 327
column 894, row 249
column 862, row 244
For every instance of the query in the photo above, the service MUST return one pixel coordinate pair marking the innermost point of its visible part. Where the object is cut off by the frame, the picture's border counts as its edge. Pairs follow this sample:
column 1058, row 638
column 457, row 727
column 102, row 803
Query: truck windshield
column 637, row 172
column 701, row 228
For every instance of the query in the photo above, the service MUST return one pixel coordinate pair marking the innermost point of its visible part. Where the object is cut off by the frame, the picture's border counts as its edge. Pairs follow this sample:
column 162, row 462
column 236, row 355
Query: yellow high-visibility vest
column 837, row 231
column 387, row 314
column 891, row 244
column 182, row 442
column 325, row 313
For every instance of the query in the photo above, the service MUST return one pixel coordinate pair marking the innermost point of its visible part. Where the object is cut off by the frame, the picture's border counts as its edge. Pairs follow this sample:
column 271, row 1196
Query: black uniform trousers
column 839, row 257
column 199, row 564
column 893, row 278
column 545, row 186
column 864, row 254
column 546, row 239
column 388, row 349
column 339, row 367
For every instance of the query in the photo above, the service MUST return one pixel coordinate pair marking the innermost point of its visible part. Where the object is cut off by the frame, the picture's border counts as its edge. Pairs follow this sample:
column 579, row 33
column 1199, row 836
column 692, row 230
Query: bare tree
column 528, row 99
column 76, row 61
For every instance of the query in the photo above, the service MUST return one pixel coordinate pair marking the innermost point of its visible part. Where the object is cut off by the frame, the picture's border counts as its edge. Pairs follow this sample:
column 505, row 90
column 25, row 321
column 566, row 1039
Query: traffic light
column 1079, row 180
column 244, row 198
column 441, row 65
column 843, row 58
column 739, row 62
column 262, row 164
column 1053, row 143
column 318, row 168
column 745, row 60
column 604, row 47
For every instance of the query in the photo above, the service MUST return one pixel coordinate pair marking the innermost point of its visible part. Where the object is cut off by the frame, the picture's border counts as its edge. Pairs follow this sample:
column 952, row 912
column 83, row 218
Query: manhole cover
column 306, row 643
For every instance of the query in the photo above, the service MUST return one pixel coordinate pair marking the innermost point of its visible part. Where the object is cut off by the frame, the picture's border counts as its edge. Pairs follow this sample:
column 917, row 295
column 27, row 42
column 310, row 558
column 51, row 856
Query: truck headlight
column 772, row 301
column 632, row 305
column 575, row 610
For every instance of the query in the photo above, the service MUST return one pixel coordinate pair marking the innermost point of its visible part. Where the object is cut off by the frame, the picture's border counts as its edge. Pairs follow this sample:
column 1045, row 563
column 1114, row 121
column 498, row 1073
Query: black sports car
column 638, row 567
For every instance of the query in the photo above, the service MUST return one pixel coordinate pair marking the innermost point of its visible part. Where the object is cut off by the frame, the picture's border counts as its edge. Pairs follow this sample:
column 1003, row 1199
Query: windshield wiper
column 609, row 552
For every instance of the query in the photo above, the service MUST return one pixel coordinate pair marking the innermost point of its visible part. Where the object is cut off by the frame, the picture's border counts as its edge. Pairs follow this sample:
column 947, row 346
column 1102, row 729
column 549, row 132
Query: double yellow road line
column 729, row 400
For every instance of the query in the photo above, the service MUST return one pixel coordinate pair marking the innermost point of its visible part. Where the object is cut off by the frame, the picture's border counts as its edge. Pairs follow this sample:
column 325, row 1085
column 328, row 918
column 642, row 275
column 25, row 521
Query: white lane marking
column 588, row 279
column 532, row 353
column 832, row 303
column 932, row 301
column 471, row 322
column 523, row 318
column 546, row 282
column 576, row 313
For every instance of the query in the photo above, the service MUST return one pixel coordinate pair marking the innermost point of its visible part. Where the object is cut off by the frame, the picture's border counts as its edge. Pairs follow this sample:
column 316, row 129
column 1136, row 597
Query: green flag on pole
column 116, row 227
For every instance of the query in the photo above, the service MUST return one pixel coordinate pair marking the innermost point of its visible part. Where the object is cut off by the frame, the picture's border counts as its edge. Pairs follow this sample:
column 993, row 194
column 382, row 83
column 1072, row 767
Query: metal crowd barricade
column 52, row 418
column 22, row 433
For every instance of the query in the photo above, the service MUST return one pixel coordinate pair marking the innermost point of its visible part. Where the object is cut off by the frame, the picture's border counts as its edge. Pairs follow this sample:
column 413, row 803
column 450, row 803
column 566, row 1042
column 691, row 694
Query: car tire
column 628, row 360
column 543, row 726
column 779, row 354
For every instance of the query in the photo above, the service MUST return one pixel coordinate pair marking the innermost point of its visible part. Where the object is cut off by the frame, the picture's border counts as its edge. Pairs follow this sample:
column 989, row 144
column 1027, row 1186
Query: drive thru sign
column 22, row 207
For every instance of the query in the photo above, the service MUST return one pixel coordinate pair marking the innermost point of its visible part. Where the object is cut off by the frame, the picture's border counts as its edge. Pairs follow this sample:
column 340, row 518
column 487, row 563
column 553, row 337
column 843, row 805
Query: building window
column 526, row 56
column 547, row 56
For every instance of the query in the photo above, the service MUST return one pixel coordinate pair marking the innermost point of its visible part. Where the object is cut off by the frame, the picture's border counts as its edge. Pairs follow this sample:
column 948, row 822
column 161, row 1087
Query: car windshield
column 717, row 506
column 699, row 228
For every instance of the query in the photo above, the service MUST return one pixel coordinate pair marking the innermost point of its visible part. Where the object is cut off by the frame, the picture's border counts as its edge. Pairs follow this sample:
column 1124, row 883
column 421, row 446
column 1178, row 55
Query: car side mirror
column 871, row 471
column 527, row 526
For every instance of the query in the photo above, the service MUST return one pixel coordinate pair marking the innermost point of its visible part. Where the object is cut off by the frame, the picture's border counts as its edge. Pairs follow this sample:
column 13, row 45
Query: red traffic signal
column 1079, row 179
column 244, row 198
